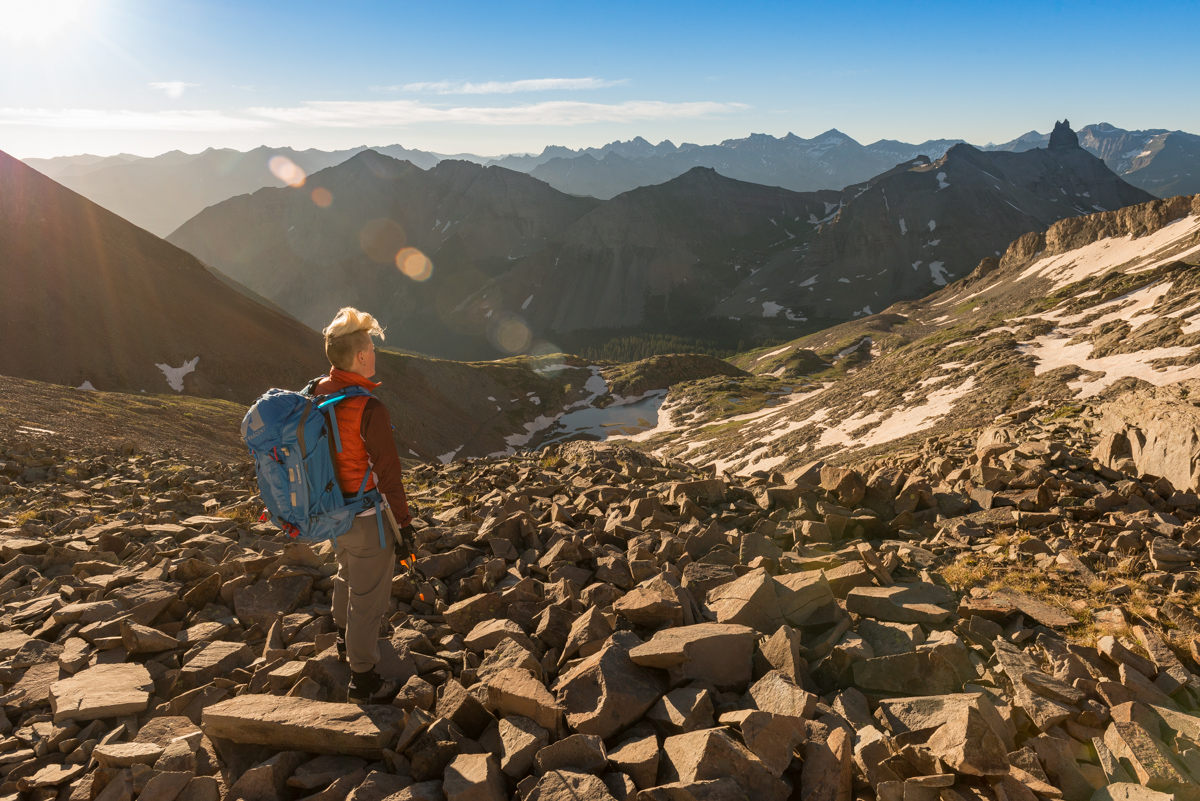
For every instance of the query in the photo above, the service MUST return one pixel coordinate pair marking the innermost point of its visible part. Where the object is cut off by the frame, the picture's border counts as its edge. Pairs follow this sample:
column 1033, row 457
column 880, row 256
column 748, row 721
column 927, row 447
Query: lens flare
column 510, row 334
column 415, row 264
column 381, row 239
column 547, row 359
column 286, row 170
column 322, row 197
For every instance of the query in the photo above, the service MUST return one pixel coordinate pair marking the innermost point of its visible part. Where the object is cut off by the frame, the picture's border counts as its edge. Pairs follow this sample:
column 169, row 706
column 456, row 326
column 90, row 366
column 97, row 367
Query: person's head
column 348, row 341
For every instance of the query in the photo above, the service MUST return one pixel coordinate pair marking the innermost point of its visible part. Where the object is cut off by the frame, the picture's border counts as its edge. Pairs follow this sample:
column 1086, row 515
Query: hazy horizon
column 109, row 76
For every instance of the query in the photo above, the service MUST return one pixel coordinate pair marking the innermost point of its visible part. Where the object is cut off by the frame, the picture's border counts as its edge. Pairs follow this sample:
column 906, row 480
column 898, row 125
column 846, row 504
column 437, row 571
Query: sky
column 149, row 76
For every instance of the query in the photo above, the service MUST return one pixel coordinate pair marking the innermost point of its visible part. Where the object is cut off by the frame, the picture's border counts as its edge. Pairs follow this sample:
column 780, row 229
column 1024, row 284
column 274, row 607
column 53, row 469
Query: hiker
column 366, row 553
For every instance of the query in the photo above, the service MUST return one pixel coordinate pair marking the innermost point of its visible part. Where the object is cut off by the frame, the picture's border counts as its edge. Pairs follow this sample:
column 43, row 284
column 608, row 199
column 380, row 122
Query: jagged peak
column 1063, row 137
column 834, row 133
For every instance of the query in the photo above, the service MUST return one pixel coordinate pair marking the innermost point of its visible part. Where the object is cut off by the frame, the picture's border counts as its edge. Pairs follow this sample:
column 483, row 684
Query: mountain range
column 701, row 256
column 1164, row 163
column 161, row 193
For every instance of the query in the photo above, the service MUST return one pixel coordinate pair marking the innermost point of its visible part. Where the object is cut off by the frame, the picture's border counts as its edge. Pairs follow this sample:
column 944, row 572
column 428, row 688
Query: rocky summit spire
column 1063, row 136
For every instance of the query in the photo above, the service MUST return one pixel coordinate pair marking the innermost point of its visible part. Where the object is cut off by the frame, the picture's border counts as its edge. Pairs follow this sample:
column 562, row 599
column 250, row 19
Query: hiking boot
column 368, row 687
column 341, row 645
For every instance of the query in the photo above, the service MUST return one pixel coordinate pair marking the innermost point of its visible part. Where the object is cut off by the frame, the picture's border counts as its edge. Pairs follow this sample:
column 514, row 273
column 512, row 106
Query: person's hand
column 405, row 549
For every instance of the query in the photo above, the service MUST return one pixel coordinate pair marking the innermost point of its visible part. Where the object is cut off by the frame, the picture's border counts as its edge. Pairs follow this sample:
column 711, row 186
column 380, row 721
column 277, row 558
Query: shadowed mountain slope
column 92, row 298
column 914, row 229
column 472, row 221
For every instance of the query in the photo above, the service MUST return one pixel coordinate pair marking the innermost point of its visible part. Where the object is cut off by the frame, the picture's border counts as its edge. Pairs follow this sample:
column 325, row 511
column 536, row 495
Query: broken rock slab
column 763, row 602
column 563, row 785
column 298, row 724
column 916, row 673
column 607, row 691
column 926, row 713
column 901, row 603
column 102, row 691
column 713, row 754
column 719, row 653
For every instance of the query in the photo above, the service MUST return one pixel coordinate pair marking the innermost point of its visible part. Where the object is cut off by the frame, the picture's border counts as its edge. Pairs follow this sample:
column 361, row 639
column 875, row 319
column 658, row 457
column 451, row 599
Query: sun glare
column 39, row 21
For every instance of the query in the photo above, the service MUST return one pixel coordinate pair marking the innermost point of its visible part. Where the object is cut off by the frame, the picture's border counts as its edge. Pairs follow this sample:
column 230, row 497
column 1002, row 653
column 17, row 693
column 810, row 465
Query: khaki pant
column 362, row 588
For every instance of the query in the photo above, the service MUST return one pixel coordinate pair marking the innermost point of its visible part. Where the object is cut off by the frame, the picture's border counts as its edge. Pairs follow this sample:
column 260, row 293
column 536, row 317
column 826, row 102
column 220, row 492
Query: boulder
column 262, row 602
column 607, row 691
column 917, row 673
column 712, row 754
column 474, row 777
column 718, row 653
column 578, row 753
column 562, row 785
column 517, row 692
column 762, row 602
column 302, row 725
column 900, row 603
column 515, row 741
column 103, row 691
column 638, row 758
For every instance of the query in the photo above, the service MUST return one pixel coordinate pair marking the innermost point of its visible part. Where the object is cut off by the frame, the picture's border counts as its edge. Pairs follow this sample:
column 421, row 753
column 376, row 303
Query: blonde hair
column 348, row 335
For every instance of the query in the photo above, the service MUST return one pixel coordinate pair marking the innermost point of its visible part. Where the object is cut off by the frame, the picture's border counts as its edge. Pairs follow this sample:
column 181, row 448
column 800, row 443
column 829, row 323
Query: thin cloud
column 370, row 114
column 173, row 89
column 505, row 87
column 362, row 114
column 125, row 120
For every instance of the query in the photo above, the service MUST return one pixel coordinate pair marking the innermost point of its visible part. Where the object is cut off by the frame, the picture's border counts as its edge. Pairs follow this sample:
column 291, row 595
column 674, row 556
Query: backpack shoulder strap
column 311, row 386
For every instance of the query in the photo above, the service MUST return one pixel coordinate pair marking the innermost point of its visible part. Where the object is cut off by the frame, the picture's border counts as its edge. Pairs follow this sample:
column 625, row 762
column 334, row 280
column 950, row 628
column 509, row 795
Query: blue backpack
column 292, row 437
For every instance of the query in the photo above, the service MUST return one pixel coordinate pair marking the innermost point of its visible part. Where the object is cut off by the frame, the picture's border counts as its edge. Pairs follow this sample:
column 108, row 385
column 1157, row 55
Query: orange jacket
column 371, row 453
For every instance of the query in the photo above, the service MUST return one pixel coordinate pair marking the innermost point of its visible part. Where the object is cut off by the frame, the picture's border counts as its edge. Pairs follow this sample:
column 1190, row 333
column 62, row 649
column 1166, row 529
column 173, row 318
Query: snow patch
column 87, row 385
column 1053, row 351
column 528, row 300
column 903, row 227
column 175, row 374
column 938, row 272
column 932, row 225
column 773, row 353
column 847, row 351
column 771, row 308
column 941, row 179
column 1140, row 254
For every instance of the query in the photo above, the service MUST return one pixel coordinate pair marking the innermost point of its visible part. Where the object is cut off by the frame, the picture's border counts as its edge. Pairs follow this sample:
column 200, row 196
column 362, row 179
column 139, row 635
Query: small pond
column 623, row 420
